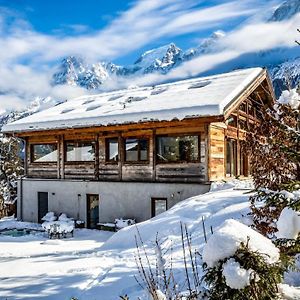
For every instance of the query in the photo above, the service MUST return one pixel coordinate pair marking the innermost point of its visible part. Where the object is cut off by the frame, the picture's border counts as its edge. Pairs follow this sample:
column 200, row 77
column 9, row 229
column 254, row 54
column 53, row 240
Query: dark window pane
column 136, row 149
column 243, row 124
column 243, row 107
column 251, row 110
column 112, row 150
column 232, row 121
column 143, row 149
column 80, row 151
column 178, row 148
column 44, row 153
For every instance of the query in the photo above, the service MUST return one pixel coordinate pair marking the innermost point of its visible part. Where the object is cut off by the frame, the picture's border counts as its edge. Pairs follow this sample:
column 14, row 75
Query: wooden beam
column 191, row 122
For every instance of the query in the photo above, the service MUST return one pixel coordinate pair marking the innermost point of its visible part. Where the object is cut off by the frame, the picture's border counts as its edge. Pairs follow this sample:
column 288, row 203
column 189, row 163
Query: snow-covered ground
column 100, row 265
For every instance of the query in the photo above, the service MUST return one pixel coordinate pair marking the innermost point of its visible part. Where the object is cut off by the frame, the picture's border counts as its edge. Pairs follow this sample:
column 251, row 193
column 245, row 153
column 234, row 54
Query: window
column 136, row 150
column 251, row 110
column 112, row 150
column 243, row 107
column 231, row 157
column 243, row 162
column 44, row 153
column 232, row 121
column 178, row 148
column 158, row 206
column 80, row 151
column 243, row 124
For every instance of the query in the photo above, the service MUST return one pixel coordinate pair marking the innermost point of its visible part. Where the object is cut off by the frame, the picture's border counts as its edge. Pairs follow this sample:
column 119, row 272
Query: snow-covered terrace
column 206, row 96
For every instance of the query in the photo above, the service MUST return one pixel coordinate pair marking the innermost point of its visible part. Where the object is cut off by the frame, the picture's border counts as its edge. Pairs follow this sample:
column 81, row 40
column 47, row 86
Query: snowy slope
column 89, row 266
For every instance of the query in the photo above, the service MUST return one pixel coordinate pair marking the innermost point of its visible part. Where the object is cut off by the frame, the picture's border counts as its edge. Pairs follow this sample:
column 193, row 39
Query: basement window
column 158, row 206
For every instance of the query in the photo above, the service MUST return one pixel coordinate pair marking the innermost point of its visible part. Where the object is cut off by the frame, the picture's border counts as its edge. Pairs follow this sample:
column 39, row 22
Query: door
column 158, row 206
column 92, row 212
column 42, row 205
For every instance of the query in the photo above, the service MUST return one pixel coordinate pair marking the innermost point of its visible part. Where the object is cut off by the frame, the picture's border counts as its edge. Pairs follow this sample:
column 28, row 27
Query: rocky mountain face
column 286, row 10
column 75, row 71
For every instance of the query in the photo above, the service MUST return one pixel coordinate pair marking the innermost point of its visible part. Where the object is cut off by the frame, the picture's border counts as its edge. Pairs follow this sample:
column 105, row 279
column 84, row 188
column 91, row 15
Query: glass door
column 92, row 210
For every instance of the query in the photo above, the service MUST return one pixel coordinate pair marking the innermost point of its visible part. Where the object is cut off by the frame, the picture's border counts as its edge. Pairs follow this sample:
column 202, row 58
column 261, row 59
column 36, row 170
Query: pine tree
column 11, row 167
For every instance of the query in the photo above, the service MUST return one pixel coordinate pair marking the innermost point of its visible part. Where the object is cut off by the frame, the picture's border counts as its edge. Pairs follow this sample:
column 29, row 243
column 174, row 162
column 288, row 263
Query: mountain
column 282, row 64
column 286, row 10
column 36, row 105
column 74, row 71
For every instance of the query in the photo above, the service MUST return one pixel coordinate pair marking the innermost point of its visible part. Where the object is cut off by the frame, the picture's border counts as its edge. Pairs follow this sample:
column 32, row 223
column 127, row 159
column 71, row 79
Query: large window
column 44, row 153
column 231, row 157
column 178, row 148
column 112, row 150
column 80, row 151
column 136, row 150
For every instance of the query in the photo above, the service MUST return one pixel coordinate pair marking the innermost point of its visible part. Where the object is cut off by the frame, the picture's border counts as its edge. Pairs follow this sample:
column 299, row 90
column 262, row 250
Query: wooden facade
column 219, row 147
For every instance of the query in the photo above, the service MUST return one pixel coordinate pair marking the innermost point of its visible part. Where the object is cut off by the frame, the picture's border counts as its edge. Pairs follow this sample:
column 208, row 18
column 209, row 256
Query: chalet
column 135, row 153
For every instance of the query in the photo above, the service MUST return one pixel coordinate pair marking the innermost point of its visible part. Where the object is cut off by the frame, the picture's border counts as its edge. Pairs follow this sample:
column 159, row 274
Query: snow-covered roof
column 205, row 96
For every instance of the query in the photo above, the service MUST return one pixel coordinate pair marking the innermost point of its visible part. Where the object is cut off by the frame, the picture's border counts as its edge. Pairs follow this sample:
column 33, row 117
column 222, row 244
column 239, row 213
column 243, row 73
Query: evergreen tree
column 11, row 167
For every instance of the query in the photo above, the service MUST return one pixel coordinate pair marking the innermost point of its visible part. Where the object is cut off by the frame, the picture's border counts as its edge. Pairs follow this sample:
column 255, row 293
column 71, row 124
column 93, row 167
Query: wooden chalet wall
column 100, row 169
column 214, row 132
column 239, row 119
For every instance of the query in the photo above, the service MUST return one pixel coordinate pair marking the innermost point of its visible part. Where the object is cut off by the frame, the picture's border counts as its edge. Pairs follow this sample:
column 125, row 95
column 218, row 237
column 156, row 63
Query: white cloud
column 251, row 38
column 146, row 21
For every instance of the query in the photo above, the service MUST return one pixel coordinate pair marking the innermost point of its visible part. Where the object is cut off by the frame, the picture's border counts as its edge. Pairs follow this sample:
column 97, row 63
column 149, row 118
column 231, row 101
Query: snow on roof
column 206, row 96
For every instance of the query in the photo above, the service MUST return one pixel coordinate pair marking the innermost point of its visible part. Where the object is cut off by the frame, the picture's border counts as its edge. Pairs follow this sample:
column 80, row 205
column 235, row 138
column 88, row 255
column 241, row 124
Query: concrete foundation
column 117, row 199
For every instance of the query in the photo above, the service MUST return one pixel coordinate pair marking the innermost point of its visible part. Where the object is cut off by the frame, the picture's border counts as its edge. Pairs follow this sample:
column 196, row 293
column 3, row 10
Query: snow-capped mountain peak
column 286, row 10
column 159, row 59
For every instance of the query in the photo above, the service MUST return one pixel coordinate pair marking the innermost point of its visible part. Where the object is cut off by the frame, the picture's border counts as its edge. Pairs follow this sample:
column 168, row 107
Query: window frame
column 139, row 161
column 43, row 162
column 153, row 199
column 158, row 161
column 233, row 158
column 79, row 161
column 107, row 160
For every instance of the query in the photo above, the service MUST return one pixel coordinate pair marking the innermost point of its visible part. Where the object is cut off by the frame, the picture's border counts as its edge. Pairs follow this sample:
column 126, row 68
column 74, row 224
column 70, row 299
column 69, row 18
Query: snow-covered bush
column 61, row 227
column 240, row 263
column 122, row 223
column 49, row 217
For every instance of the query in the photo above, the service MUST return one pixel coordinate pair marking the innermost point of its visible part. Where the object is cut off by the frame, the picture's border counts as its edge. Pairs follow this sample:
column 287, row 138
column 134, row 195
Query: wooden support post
column 97, row 162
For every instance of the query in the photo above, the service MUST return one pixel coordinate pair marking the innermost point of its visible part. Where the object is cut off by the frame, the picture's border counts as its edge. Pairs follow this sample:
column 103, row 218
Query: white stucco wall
column 117, row 199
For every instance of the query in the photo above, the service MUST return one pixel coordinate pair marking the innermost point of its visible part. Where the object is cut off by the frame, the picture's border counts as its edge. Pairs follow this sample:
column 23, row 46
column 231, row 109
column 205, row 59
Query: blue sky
column 76, row 18
column 35, row 35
